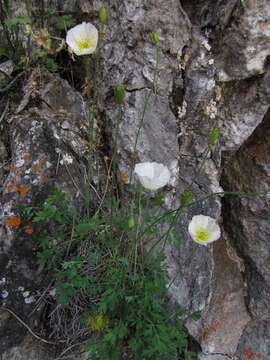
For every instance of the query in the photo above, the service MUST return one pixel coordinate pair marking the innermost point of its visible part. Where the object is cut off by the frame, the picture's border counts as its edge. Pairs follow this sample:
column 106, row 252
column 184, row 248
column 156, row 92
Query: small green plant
column 103, row 258
column 14, row 22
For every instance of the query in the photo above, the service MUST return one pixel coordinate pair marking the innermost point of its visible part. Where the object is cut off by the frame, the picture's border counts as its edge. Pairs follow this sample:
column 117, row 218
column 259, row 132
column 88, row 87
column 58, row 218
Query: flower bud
column 131, row 222
column 103, row 16
column 186, row 198
column 155, row 38
column 119, row 93
column 214, row 136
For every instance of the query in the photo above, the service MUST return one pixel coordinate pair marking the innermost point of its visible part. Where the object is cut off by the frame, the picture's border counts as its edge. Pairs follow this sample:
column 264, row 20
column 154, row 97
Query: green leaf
column 186, row 199
column 41, row 53
column 196, row 315
column 65, row 22
column 51, row 65
column 17, row 20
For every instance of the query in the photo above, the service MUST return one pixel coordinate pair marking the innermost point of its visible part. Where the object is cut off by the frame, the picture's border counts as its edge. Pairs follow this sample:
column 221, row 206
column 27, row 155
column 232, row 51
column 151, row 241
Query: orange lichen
column 267, row 261
column 39, row 165
column 248, row 354
column 15, row 170
column 259, row 151
column 13, row 221
column 11, row 186
column 124, row 177
column 23, row 190
column 26, row 156
column 28, row 230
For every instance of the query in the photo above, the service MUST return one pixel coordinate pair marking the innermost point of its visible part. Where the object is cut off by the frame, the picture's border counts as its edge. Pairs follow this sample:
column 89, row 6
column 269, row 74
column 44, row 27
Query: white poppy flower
column 82, row 39
column 203, row 229
column 152, row 175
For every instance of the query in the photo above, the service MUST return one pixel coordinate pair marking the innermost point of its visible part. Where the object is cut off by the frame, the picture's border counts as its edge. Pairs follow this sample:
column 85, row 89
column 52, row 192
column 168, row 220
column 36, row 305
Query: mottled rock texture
column 213, row 69
column 44, row 157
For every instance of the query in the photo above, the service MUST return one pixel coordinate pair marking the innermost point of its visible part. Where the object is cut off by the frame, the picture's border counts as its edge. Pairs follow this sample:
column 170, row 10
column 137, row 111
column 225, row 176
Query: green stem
column 92, row 106
column 148, row 97
column 179, row 210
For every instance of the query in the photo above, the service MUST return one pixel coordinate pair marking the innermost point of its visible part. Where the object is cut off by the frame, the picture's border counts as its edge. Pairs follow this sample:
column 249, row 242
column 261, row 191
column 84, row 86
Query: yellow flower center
column 84, row 43
column 202, row 235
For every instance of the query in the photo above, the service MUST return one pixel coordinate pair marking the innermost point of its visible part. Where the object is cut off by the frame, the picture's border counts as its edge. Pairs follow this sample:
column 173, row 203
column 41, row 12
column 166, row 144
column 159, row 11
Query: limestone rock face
column 249, row 232
column 42, row 159
column 211, row 68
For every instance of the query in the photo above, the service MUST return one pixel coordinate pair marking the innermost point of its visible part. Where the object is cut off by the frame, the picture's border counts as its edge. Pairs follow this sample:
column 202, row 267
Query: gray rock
column 6, row 69
column 244, row 48
column 29, row 349
column 255, row 341
column 223, row 320
column 44, row 157
column 248, row 218
column 212, row 72
column 215, row 357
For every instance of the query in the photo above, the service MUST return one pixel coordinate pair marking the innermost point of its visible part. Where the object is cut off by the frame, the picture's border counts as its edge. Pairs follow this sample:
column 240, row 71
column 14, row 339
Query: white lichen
column 66, row 159
column 29, row 300
column 182, row 110
column 206, row 45
column 211, row 109
column 4, row 294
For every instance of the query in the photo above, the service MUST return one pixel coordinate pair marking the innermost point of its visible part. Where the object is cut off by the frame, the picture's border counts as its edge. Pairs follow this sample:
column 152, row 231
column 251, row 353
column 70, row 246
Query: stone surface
column 6, row 69
column 249, row 171
column 243, row 50
column 247, row 220
column 213, row 68
column 44, row 157
column 214, row 357
column 255, row 342
column 226, row 309
column 29, row 349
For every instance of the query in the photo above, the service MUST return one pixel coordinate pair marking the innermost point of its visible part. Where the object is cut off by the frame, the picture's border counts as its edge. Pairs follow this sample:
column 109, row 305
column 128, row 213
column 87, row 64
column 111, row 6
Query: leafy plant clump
column 101, row 259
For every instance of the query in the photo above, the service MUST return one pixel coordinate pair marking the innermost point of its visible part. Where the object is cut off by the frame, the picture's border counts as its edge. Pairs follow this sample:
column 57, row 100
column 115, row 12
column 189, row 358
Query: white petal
column 80, row 33
column 205, row 224
column 198, row 221
column 144, row 169
column 152, row 175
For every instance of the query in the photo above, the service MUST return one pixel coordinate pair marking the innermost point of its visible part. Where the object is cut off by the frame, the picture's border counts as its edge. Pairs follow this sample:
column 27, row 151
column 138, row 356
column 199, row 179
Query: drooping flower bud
column 119, row 93
column 131, row 222
column 103, row 16
column 214, row 136
column 155, row 38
